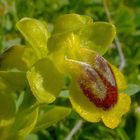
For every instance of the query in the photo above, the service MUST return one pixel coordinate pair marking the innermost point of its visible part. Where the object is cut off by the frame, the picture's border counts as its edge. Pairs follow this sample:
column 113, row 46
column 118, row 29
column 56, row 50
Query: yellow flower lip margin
column 111, row 118
column 87, row 110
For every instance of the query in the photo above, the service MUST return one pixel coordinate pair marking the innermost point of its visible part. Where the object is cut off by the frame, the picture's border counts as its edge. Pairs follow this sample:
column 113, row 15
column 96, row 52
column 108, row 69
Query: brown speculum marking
column 98, row 84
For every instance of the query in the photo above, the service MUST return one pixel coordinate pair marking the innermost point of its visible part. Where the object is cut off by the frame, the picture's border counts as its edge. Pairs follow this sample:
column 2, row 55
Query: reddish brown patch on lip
column 92, row 78
column 112, row 93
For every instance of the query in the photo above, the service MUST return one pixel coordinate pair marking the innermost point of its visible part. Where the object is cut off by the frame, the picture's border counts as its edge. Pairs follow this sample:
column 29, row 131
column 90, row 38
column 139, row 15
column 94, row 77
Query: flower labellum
column 98, row 84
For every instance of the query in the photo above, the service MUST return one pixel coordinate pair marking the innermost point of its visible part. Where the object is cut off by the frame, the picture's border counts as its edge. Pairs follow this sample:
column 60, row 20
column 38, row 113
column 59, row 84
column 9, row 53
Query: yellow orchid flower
column 96, row 84
column 95, row 88
column 75, row 48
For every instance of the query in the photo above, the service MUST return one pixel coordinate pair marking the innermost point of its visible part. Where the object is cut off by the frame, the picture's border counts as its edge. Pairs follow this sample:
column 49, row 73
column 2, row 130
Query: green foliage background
column 126, row 17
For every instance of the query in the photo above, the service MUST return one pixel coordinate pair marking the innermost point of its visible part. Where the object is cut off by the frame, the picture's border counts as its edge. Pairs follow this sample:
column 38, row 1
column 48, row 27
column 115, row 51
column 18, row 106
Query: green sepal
column 25, row 99
column 65, row 30
column 12, row 59
column 7, row 114
column 12, row 81
column 51, row 116
column 26, row 116
column 45, row 81
column 71, row 22
column 36, row 33
column 29, row 56
column 97, row 36
column 7, row 109
column 24, row 123
column 62, row 47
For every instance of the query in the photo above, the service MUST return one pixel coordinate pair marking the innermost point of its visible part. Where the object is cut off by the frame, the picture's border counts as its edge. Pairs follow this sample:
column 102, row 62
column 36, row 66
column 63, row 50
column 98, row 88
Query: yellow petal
column 120, row 79
column 63, row 46
column 45, row 80
column 36, row 34
column 112, row 117
column 29, row 56
column 71, row 22
column 36, row 82
column 83, row 106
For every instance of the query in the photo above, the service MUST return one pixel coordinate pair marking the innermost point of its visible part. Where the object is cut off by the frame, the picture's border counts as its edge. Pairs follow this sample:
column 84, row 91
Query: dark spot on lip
column 91, row 75
column 104, row 68
column 112, row 93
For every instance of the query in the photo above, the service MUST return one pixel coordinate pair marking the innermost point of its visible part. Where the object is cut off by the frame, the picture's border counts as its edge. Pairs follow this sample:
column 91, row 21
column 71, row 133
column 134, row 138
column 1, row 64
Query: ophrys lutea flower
column 75, row 48
column 95, row 88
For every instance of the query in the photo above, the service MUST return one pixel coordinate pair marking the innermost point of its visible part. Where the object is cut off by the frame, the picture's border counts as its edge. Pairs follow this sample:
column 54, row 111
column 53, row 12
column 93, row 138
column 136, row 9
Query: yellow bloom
column 73, row 48
column 111, row 117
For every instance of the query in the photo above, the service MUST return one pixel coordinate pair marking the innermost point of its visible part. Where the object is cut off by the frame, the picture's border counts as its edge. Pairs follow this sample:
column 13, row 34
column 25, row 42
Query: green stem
column 137, row 132
column 74, row 130
column 116, row 41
